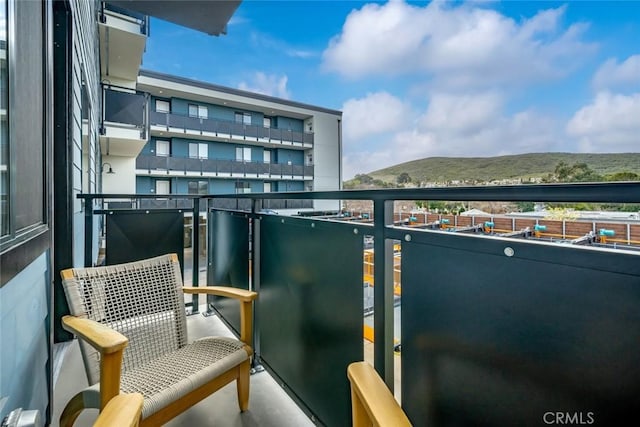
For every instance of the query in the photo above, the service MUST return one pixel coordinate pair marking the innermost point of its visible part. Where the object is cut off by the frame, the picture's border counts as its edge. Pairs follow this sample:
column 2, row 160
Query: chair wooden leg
column 72, row 410
column 243, row 385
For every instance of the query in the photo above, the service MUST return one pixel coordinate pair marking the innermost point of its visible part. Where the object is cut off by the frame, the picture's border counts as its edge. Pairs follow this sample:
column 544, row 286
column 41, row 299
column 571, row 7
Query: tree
column 403, row 178
column 578, row 172
column 622, row 176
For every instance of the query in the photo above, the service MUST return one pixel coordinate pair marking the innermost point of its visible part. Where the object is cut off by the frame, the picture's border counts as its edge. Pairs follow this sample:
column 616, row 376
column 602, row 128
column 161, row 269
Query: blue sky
column 425, row 79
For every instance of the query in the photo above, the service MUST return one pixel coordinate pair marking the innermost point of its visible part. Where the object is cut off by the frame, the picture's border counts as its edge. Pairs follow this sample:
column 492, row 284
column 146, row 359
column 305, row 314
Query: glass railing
column 220, row 166
column 232, row 130
column 475, row 324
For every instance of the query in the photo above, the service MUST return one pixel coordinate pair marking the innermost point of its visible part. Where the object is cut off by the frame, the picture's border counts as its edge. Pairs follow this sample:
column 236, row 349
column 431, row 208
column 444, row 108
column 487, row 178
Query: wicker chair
column 140, row 305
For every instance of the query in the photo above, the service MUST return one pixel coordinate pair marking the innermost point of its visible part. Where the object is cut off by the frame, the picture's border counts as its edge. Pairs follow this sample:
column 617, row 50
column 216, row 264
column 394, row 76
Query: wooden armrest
column 246, row 303
column 111, row 346
column 124, row 410
column 372, row 402
column 223, row 291
column 101, row 337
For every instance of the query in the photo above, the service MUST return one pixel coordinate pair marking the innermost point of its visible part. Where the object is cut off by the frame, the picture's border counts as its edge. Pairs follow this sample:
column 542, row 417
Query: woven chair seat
column 172, row 376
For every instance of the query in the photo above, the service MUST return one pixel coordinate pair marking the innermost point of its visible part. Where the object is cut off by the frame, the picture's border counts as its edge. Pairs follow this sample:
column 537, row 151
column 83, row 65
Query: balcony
column 177, row 125
column 488, row 329
column 123, row 37
column 193, row 167
column 124, row 123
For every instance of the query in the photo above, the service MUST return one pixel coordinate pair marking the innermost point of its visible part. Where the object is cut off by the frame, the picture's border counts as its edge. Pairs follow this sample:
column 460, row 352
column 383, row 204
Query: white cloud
column 612, row 74
column 457, row 126
column 267, row 84
column 376, row 113
column 463, row 45
column 611, row 123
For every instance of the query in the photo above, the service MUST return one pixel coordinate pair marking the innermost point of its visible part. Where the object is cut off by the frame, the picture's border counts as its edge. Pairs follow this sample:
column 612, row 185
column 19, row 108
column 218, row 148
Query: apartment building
column 54, row 144
column 173, row 135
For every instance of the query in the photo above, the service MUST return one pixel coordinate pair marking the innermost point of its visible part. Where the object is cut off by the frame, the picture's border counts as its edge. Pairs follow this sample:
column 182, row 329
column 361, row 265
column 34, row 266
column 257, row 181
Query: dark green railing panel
column 310, row 309
column 133, row 235
column 228, row 259
column 499, row 332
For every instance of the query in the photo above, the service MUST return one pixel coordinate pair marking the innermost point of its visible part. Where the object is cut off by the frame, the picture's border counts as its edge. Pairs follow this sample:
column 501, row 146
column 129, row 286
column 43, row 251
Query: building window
column 267, row 187
column 243, row 154
column 4, row 124
column 266, row 122
column 199, row 111
column 163, row 106
column 244, row 118
column 24, row 193
column 163, row 148
column 266, row 156
column 198, row 150
column 243, row 187
column 198, row 187
column 163, row 186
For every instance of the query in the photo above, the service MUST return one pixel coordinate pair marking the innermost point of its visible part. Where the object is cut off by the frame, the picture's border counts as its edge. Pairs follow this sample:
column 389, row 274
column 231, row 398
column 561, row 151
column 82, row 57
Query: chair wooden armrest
column 371, row 401
column 246, row 302
column 124, row 410
column 111, row 346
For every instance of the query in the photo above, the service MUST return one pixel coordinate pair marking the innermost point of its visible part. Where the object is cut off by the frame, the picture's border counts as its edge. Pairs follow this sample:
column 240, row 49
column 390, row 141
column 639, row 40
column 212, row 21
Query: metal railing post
column 88, row 232
column 383, row 292
column 254, row 283
column 195, row 251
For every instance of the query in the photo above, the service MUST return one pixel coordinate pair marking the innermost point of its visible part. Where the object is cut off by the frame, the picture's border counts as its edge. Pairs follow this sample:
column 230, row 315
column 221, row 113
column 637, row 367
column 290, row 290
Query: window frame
column 168, row 110
column 162, row 142
column 201, row 111
column 202, row 149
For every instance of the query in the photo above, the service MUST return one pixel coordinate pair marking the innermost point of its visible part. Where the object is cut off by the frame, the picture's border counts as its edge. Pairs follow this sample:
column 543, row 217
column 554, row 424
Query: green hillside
column 439, row 169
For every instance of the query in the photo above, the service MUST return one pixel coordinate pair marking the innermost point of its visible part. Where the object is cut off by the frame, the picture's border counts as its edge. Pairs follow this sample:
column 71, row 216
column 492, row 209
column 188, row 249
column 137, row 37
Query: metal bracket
column 256, row 369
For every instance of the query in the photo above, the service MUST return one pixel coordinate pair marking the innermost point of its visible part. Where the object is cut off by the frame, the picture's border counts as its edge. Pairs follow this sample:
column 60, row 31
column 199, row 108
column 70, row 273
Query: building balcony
column 123, row 37
column 481, row 328
column 124, row 124
column 171, row 124
column 217, row 168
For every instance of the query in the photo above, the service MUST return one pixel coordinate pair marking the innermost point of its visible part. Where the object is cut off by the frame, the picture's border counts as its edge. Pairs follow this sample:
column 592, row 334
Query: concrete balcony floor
column 269, row 405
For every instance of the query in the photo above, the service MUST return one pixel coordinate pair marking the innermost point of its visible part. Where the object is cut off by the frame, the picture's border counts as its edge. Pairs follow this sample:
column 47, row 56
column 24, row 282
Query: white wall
column 326, row 157
column 123, row 181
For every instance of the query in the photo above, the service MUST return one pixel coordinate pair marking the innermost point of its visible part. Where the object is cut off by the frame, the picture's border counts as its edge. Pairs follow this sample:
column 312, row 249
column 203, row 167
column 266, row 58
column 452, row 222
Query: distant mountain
column 525, row 166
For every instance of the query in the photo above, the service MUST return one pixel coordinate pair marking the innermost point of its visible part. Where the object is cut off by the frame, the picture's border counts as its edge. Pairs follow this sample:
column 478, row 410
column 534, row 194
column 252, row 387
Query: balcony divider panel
column 297, row 170
column 310, row 306
column 209, row 165
column 228, row 260
column 138, row 234
column 308, row 170
column 296, row 136
column 124, row 107
column 504, row 331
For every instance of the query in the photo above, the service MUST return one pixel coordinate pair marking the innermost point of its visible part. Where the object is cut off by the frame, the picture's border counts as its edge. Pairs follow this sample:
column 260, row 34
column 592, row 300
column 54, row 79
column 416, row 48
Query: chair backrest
column 142, row 300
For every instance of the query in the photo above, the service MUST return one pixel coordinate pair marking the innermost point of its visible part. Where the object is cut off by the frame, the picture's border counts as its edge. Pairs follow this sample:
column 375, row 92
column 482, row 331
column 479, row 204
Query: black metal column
column 383, row 292
column 195, row 252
